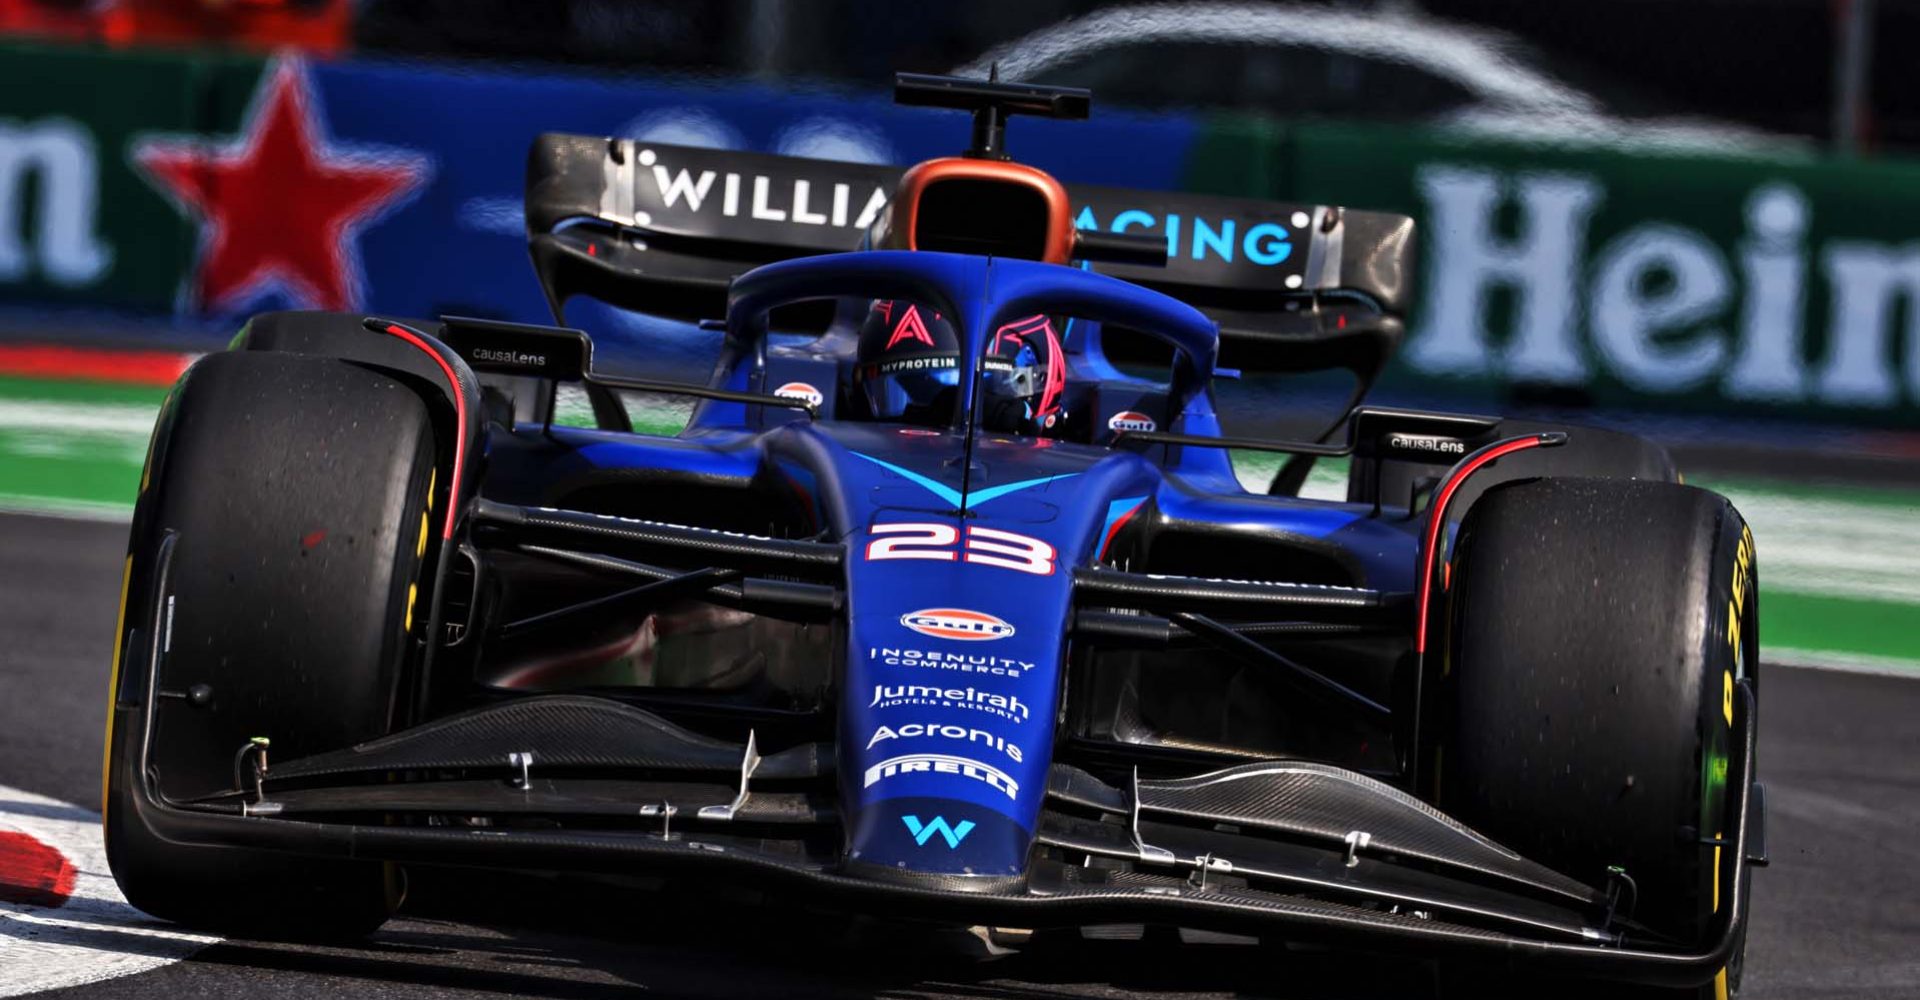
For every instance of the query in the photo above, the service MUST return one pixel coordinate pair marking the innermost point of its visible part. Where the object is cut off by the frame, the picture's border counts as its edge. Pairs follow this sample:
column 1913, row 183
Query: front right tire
column 1596, row 629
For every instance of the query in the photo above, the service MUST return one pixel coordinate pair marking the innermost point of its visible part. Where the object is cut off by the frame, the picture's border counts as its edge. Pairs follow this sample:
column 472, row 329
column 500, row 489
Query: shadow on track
column 574, row 939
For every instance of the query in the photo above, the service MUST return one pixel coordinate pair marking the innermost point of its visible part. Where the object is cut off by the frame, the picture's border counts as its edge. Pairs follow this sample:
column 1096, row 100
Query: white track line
column 66, row 510
column 70, row 417
column 1833, row 547
column 95, row 935
column 1852, row 663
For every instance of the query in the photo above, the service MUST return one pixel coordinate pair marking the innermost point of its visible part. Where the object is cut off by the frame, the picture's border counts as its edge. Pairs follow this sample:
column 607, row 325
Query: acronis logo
column 1262, row 244
column 923, row 832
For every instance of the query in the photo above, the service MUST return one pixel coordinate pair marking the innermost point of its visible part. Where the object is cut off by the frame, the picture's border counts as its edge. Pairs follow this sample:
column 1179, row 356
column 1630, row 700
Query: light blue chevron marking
column 993, row 492
column 952, row 496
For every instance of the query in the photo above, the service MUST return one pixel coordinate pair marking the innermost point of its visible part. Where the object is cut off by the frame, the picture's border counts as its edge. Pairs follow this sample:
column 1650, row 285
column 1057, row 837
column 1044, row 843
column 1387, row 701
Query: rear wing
column 663, row 229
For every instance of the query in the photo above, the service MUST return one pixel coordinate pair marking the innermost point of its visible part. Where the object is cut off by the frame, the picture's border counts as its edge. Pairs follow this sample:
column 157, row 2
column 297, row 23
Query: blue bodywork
column 960, row 543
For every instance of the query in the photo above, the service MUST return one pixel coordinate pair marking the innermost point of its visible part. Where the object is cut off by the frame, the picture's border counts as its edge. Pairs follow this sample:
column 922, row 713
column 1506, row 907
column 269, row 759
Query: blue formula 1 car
column 945, row 602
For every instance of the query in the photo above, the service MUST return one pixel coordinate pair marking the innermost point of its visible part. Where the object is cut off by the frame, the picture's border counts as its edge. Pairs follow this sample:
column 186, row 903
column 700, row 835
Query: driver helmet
column 1023, row 376
column 907, row 363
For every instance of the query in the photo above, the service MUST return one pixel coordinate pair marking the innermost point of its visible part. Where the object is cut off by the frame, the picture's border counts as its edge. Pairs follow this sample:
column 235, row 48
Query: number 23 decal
column 941, row 542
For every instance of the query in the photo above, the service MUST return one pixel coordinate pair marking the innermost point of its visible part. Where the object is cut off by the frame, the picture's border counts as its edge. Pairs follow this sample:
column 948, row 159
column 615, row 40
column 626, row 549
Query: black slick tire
column 1595, row 631
column 295, row 492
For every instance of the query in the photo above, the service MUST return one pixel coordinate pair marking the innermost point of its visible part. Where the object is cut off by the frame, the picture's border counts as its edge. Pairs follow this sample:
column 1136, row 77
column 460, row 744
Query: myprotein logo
column 958, row 624
column 947, row 731
column 940, row 763
column 1131, row 420
column 801, row 391
column 894, row 366
column 923, row 832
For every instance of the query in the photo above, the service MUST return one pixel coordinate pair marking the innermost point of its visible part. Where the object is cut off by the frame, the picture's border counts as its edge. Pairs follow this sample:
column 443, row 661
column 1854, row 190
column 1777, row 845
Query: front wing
column 1293, row 849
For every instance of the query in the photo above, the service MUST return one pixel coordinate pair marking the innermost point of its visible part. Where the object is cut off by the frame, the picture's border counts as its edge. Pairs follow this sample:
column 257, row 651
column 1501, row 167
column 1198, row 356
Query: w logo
column 922, row 833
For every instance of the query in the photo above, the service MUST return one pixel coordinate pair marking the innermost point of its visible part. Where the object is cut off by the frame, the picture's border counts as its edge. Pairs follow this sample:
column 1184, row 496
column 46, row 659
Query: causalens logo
column 1427, row 442
column 923, row 832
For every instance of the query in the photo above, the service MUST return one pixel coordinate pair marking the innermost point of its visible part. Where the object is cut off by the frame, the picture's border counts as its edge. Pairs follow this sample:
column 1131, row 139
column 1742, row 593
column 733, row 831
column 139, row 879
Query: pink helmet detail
column 910, row 327
column 1037, row 331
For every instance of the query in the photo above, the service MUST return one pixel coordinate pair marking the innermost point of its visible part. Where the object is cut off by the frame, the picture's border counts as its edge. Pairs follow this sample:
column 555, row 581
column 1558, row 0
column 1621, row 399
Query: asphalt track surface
column 1837, row 915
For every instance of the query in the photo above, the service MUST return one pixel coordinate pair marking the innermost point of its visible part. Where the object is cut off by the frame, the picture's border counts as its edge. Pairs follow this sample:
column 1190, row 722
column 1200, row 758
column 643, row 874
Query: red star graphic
column 278, row 204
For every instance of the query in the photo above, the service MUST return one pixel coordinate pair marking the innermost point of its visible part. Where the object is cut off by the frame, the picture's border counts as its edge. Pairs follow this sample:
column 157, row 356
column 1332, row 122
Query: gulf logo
column 802, row 392
column 1131, row 420
column 957, row 623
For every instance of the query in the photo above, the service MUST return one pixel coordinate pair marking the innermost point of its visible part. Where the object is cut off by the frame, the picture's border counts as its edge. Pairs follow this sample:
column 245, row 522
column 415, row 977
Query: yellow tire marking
column 420, row 550
column 113, row 683
column 1742, row 582
column 1716, row 874
column 1736, row 611
column 413, row 591
column 1719, row 978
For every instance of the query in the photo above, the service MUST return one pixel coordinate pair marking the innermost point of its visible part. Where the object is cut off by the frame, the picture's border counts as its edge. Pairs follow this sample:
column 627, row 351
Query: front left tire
column 294, row 490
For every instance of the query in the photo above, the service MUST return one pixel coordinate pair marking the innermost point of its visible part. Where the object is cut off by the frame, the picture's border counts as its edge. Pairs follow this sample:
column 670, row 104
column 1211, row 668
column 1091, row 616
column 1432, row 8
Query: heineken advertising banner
column 210, row 187
column 1721, row 283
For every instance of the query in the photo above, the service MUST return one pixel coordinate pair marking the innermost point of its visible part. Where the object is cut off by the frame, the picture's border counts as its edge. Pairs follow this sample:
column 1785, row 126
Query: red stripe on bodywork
column 1118, row 523
column 1437, row 518
column 459, row 423
column 155, row 368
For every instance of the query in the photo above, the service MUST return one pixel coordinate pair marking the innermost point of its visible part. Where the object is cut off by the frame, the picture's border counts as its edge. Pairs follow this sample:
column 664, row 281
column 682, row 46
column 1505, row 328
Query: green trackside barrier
column 1240, row 156
column 84, row 228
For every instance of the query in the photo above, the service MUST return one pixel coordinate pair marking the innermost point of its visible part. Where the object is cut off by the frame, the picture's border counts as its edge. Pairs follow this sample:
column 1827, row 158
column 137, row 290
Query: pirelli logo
column 940, row 763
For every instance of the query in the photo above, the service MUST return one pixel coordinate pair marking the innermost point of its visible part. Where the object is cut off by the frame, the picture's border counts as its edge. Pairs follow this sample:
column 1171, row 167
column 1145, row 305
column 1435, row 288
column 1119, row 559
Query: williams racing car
column 940, row 597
